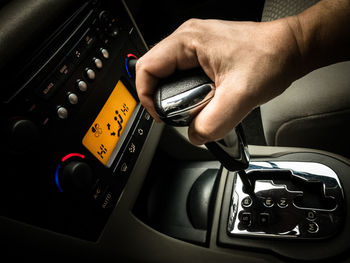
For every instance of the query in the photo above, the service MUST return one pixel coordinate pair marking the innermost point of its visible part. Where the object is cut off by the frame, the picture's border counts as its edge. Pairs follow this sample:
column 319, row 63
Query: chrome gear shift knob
column 179, row 98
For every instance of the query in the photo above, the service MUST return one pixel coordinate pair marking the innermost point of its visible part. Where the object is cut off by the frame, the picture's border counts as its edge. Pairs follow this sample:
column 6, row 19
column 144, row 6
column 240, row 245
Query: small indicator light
column 56, row 178
column 70, row 155
column 128, row 56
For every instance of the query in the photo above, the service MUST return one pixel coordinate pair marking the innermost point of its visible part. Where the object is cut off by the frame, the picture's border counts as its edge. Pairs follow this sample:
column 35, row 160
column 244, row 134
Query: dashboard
column 86, row 172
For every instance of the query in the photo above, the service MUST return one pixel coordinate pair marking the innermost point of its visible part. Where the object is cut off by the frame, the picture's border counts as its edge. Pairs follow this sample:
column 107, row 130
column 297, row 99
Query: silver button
column 268, row 202
column 82, row 86
column 104, row 53
column 62, row 113
column 247, row 201
column 312, row 227
column 98, row 63
column 90, row 73
column 73, row 98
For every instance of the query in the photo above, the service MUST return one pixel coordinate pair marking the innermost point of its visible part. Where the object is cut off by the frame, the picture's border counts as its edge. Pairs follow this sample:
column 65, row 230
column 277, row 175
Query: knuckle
column 206, row 132
column 191, row 23
column 139, row 64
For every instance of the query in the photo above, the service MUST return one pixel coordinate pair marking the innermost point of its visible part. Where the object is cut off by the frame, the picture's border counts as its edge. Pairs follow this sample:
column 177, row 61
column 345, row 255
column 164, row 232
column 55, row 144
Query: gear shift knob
column 179, row 98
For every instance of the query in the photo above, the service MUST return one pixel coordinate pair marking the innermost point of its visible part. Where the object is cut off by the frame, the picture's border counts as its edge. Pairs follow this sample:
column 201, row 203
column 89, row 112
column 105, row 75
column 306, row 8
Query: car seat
column 314, row 112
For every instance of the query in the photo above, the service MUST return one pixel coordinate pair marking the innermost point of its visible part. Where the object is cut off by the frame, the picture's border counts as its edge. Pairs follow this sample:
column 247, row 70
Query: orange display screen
column 104, row 133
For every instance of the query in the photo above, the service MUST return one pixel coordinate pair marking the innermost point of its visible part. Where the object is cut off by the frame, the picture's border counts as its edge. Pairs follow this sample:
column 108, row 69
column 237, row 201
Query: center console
column 297, row 210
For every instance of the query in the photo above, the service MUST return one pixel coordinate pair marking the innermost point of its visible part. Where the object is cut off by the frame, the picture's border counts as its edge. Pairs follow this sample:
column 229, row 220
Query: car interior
column 87, row 174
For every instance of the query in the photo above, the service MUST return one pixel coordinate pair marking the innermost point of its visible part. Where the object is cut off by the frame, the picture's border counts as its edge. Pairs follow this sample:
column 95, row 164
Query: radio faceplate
column 50, row 179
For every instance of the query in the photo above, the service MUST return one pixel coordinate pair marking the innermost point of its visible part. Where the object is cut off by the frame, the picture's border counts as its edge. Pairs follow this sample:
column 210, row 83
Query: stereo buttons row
column 90, row 74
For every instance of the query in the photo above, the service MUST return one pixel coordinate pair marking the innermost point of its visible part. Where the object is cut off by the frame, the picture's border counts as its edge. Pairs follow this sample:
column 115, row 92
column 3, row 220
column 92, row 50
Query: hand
column 249, row 62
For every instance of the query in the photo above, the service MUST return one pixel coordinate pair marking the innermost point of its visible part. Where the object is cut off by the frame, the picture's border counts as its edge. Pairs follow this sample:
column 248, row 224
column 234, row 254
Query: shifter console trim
column 302, row 200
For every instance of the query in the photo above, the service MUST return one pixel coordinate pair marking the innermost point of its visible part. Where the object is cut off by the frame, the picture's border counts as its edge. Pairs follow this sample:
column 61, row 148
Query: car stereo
column 72, row 125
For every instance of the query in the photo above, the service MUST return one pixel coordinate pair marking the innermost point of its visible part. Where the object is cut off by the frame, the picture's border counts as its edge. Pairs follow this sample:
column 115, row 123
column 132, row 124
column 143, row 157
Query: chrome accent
column 183, row 107
column 289, row 221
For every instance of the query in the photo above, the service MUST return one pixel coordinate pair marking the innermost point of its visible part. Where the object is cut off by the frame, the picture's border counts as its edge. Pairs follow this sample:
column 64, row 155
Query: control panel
column 72, row 125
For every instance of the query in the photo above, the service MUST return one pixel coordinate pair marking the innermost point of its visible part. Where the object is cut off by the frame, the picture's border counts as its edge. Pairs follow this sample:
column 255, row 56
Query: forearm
column 323, row 33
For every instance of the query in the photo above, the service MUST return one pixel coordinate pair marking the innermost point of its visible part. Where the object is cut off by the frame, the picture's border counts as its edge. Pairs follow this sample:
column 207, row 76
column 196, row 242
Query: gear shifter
column 180, row 97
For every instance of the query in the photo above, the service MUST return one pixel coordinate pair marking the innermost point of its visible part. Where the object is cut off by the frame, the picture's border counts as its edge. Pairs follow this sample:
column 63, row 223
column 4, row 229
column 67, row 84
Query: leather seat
column 314, row 112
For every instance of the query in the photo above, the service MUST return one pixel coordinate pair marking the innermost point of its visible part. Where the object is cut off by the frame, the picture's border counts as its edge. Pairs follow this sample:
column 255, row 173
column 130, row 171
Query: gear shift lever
column 180, row 97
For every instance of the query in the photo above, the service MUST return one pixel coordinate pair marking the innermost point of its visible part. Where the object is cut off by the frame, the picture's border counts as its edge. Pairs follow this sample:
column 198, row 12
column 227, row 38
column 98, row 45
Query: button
column 146, row 119
column 264, row 219
column 311, row 215
column 90, row 74
column 89, row 38
column 98, row 63
column 113, row 32
column 246, row 218
column 82, row 86
column 312, row 227
column 125, row 166
column 282, row 202
column 130, row 65
column 108, row 200
column 105, row 17
column 142, row 128
column 76, row 54
column 247, row 201
column 49, row 86
column 65, row 68
column 80, row 49
column 131, row 148
column 268, row 202
column 62, row 113
column 73, row 98
column 104, row 53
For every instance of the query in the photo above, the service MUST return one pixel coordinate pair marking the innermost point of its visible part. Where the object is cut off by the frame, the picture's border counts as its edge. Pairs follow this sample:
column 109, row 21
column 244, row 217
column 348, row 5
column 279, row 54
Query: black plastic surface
column 178, row 197
column 24, row 25
column 199, row 199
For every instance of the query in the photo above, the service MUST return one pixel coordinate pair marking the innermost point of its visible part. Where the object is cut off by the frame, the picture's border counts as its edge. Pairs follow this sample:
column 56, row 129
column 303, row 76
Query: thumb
column 226, row 109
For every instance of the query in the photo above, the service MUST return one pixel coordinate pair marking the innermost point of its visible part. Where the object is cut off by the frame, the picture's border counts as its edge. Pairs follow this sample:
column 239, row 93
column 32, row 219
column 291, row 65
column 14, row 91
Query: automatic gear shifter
column 181, row 97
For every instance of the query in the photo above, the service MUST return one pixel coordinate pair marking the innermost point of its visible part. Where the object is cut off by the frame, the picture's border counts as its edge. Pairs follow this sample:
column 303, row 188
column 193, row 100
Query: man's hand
column 250, row 62
column 246, row 60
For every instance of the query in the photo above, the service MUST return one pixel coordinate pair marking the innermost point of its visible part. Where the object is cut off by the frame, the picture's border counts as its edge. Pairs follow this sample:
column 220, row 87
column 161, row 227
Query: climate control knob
column 77, row 176
column 22, row 137
column 130, row 65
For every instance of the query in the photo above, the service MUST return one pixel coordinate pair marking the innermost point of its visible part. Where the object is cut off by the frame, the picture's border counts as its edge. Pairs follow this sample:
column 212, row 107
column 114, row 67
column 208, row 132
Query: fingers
column 149, row 69
column 174, row 52
column 228, row 107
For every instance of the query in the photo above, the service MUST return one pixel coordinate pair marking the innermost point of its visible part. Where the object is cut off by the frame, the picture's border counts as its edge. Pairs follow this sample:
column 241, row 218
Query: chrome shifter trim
column 266, row 217
column 188, row 103
column 305, row 170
